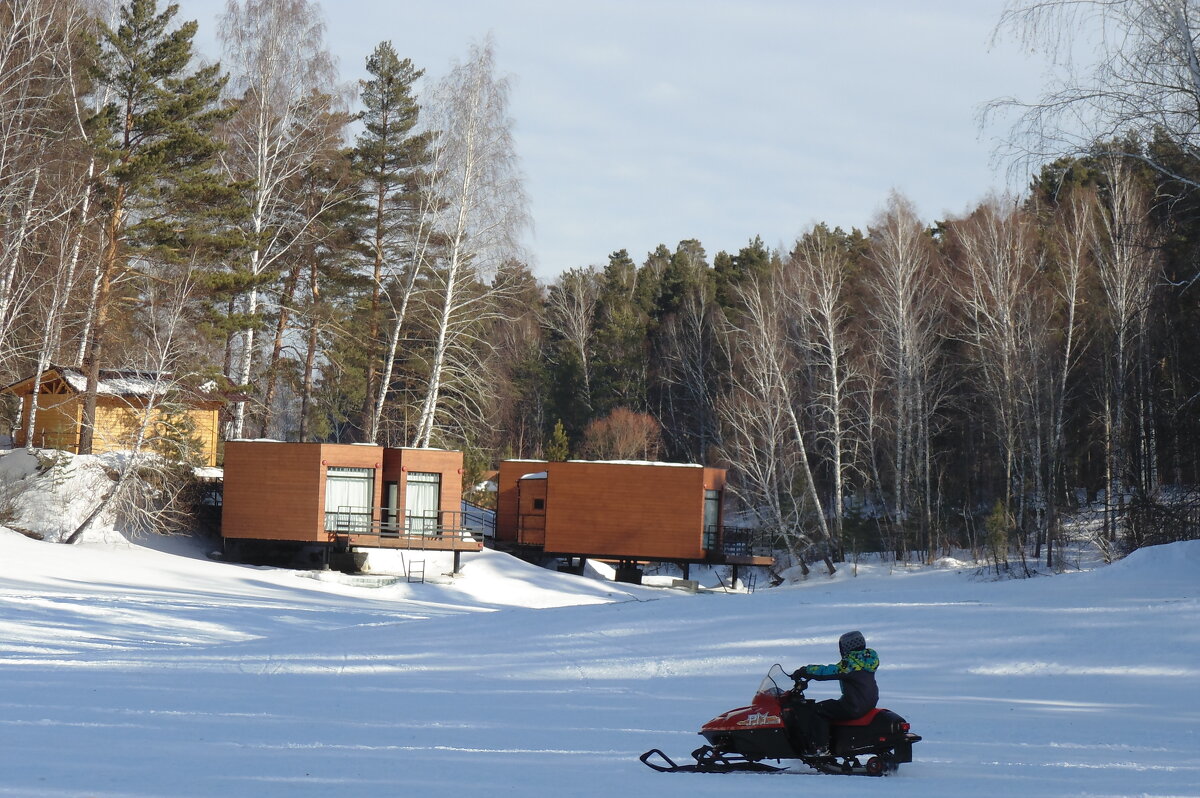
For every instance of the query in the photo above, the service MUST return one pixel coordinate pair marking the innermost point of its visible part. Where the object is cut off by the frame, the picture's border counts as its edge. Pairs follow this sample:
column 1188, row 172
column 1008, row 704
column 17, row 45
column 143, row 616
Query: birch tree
column 817, row 275
column 1125, row 70
column 40, row 186
column 764, row 400
column 905, row 314
column 1128, row 272
column 276, row 52
column 1007, row 310
column 571, row 316
column 146, row 485
column 483, row 211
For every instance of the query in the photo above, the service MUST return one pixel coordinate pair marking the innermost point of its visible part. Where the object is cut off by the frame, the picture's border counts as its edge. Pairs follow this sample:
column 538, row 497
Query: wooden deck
column 743, row 559
column 445, row 542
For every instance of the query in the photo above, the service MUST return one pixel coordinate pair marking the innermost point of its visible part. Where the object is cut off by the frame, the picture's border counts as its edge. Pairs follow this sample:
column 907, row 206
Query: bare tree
column 623, row 434
column 906, row 313
column 816, row 277
column 1119, row 68
column 1073, row 236
column 39, row 187
column 1129, row 271
column 276, row 52
column 571, row 315
column 148, row 480
column 1007, row 313
column 482, row 212
column 765, row 398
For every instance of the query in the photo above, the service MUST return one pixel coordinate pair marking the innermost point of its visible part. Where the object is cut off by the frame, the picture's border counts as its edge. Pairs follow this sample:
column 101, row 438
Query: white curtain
column 422, row 500
column 348, row 495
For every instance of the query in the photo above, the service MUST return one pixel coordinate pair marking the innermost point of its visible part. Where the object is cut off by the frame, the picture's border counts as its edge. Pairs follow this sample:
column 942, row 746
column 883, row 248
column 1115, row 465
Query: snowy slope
column 131, row 671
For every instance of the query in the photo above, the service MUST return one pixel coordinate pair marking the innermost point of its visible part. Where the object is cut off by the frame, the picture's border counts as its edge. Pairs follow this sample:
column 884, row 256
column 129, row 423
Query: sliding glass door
column 422, row 500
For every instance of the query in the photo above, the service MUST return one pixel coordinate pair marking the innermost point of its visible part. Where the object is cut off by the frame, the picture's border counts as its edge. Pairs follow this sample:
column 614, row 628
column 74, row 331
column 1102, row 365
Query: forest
column 344, row 263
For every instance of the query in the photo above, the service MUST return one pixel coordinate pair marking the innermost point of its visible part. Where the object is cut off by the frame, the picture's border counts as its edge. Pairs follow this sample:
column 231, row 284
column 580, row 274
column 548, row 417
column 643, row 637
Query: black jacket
column 856, row 673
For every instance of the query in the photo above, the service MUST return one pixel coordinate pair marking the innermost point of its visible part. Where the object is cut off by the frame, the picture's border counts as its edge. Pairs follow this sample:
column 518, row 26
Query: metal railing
column 738, row 541
column 440, row 526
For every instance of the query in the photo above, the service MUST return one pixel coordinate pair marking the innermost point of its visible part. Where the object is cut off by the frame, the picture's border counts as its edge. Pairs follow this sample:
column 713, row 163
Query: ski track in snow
column 135, row 673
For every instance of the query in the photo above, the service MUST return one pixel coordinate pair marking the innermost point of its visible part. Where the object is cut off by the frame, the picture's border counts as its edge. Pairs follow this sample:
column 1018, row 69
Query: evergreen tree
column 559, row 447
column 159, row 194
column 620, row 339
column 753, row 261
column 389, row 155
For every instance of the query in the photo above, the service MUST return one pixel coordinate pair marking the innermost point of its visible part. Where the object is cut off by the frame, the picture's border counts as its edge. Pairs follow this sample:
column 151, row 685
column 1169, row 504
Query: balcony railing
column 441, row 526
column 720, row 542
column 738, row 541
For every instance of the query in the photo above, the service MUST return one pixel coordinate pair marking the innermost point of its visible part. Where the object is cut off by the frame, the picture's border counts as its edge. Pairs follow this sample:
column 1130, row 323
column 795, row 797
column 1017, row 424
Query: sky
column 640, row 122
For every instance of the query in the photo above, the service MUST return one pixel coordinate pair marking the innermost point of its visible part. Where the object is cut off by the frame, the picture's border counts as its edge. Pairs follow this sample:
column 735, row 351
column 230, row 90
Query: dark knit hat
column 851, row 641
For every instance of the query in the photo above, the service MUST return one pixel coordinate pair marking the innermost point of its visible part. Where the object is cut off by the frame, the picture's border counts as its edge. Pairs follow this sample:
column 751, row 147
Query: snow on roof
column 619, row 462
column 538, row 475
column 639, row 463
column 118, row 383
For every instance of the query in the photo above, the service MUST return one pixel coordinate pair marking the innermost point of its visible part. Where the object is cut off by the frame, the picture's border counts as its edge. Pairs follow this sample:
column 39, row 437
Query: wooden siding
column 117, row 422
column 273, row 491
column 276, row 491
column 531, row 504
column 627, row 510
column 507, row 512
column 398, row 462
column 57, row 422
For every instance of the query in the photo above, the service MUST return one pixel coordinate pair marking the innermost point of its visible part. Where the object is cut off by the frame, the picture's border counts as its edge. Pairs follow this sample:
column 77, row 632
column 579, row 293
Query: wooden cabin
column 341, row 497
column 122, row 398
column 623, row 511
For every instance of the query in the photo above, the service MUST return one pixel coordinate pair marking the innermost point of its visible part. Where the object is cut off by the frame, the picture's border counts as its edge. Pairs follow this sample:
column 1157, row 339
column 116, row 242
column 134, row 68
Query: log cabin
column 123, row 396
column 337, row 498
column 627, row 512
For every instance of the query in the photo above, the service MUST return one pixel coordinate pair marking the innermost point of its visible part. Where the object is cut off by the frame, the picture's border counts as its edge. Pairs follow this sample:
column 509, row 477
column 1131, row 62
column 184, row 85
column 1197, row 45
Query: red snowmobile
column 741, row 738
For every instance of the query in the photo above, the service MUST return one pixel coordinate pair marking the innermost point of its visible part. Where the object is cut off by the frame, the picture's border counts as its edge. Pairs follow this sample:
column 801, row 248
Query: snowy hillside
column 135, row 671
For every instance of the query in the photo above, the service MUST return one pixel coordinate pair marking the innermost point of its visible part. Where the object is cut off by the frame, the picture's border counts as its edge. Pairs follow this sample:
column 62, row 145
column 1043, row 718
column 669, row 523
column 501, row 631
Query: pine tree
column 753, row 261
column 159, row 194
column 389, row 155
column 620, row 339
column 559, row 448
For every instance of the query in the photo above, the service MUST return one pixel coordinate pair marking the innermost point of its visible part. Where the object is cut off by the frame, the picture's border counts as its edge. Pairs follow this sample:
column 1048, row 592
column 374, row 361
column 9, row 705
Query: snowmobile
column 741, row 738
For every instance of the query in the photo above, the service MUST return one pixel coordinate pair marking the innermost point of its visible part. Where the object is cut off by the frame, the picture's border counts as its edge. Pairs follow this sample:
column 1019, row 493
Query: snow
column 117, row 383
column 146, row 668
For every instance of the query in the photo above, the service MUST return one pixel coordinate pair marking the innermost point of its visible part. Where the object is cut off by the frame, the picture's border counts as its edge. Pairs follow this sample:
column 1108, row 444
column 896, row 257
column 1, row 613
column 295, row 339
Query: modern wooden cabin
column 622, row 511
column 342, row 497
column 122, row 398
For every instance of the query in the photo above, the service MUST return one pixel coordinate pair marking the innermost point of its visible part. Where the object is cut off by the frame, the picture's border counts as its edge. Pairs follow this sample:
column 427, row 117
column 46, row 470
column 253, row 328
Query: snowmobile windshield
column 775, row 683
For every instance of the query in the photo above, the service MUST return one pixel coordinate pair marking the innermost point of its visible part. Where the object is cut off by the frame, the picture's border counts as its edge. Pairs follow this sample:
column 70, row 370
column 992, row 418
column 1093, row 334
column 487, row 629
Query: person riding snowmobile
column 855, row 671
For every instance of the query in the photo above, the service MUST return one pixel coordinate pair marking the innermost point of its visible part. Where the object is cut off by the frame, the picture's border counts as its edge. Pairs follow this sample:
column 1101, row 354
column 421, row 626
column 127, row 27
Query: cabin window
column 712, row 517
column 391, row 507
column 422, row 501
column 349, row 499
column 539, row 504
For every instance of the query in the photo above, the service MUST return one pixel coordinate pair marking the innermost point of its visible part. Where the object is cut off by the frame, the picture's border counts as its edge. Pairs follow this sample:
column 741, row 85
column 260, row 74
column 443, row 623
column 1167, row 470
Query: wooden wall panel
column 507, row 512
column 57, row 422
column 207, row 422
column 446, row 462
column 653, row 512
column 274, row 491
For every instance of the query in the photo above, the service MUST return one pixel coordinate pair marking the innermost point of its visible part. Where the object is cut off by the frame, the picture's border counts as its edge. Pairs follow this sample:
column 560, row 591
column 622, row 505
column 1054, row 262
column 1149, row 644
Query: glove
column 800, row 673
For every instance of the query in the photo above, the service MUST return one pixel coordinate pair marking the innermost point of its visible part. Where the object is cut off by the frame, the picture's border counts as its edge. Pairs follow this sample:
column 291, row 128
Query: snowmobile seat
column 860, row 721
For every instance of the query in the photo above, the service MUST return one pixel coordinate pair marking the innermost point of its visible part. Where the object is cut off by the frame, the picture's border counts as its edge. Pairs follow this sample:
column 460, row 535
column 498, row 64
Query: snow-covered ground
column 148, row 669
